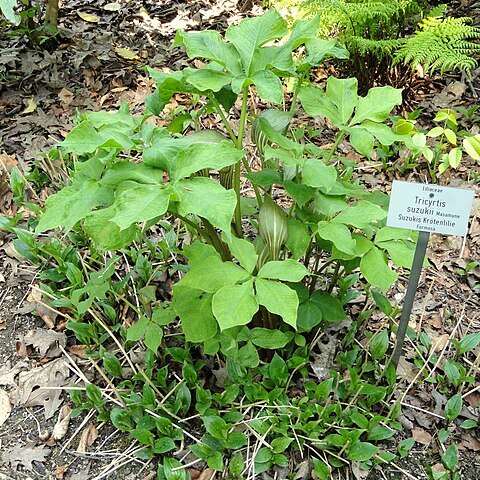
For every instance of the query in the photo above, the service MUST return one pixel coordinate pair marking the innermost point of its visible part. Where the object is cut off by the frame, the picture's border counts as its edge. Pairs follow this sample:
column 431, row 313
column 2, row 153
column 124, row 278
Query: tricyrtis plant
column 442, row 146
column 282, row 274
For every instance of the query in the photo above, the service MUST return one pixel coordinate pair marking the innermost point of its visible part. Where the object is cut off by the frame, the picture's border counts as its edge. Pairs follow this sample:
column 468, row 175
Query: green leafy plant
column 253, row 280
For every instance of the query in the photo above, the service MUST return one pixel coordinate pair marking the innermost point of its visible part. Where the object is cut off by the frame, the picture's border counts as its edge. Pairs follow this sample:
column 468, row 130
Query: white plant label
column 430, row 208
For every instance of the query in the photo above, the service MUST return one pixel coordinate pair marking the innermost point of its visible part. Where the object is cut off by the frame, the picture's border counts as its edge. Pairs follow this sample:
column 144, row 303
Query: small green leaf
column 287, row 270
column 361, row 451
column 362, row 140
column 112, row 365
column 468, row 343
column 453, row 407
column 452, row 372
column 298, row 238
column 331, row 307
column 216, row 426
column 153, row 336
column 450, row 457
column 379, row 345
column 405, row 446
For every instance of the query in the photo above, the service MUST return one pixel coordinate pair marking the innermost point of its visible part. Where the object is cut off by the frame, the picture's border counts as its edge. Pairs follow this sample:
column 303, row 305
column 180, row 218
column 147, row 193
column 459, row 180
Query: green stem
column 236, row 178
column 216, row 242
column 334, row 277
column 338, row 139
column 219, row 110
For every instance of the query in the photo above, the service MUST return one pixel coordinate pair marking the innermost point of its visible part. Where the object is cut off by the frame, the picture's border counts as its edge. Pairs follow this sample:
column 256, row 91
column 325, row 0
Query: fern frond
column 442, row 44
column 379, row 48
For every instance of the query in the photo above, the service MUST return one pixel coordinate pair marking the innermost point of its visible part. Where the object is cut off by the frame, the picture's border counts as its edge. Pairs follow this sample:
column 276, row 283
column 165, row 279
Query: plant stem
column 219, row 110
column 338, row 139
column 236, row 178
column 216, row 242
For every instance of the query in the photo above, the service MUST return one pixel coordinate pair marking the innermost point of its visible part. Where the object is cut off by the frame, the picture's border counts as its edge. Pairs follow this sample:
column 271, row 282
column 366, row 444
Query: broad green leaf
column 278, row 298
column 71, row 204
column 303, row 30
column 123, row 171
column 377, row 105
column 316, row 174
column 194, row 307
column 328, row 205
column 343, row 93
column 330, row 306
column 265, row 177
column 105, row 233
column 208, row 199
column 139, row 204
column 468, row 342
column 84, row 138
column 315, row 102
column 234, row 305
column 385, row 134
column 209, row 45
column 287, row 270
column 375, row 269
column 266, row 338
column 318, row 49
column 309, row 315
column 243, row 251
column 401, row 252
column 361, row 451
column 254, row 32
column 167, row 85
column 7, row 9
column 213, row 274
column 298, row 238
column 362, row 140
column 204, row 79
column 197, row 156
column 268, row 85
column 361, row 215
column 276, row 57
column 386, row 234
column 299, row 192
column 339, row 235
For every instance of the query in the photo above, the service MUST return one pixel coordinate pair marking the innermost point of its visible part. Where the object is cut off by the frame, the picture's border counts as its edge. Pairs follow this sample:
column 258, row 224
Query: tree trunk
column 51, row 13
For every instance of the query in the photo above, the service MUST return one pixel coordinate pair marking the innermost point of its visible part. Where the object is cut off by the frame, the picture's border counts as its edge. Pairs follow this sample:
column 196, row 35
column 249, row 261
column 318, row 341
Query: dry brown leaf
column 88, row 17
column 33, row 386
column 421, row 436
column 8, row 373
column 78, row 350
column 89, row 435
column 440, row 342
column 42, row 307
column 207, row 474
column 5, row 407
column 47, row 342
column 65, row 96
column 24, row 455
column 469, row 442
column 61, row 427
column 60, row 471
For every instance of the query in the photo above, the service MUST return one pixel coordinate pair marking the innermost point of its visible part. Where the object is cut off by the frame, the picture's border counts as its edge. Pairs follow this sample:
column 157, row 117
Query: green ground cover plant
column 204, row 306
